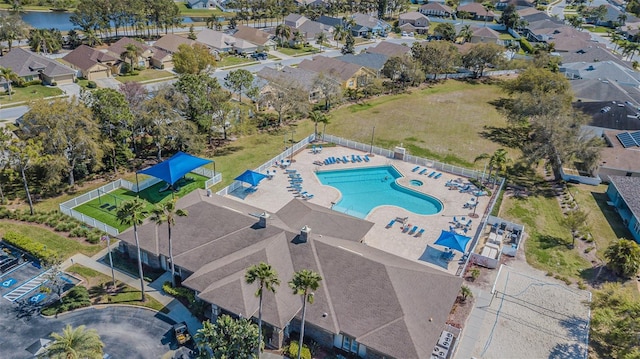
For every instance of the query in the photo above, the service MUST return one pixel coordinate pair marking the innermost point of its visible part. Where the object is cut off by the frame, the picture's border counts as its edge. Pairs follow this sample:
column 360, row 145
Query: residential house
column 612, row 17
column 485, row 35
column 292, row 76
column 477, row 12
column 294, row 21
column 595, row 52
column 389, row 49
column 619, row 113
column 531, row 15
column 308, row 28
column 30, row 66
column 220, row 42
column 371, row 61
column 605, row 70
column 161, row 59
column 541, row 31
column 118, row 48
column 370, row 303
column 630, row 30
column 350, row 75
column 370, row 24
column 436, row 9
column 261, row 39
column 91, row 64
column 201, row 4
column 624, row 193
column 413, row 22
column 171, row 42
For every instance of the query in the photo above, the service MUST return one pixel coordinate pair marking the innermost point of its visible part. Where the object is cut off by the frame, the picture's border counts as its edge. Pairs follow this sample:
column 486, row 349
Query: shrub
column 589, row 249
column 92, row 84
column 30, row 246
column 179, row 292
column 525, row 45
column 53, row 83
column 475, row 273
column 78, row 297
column 293, row 350
column 79, row 232
column 64, row 227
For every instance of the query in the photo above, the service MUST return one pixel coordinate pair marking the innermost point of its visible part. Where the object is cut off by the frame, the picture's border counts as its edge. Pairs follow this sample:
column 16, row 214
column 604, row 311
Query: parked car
column 259, row 56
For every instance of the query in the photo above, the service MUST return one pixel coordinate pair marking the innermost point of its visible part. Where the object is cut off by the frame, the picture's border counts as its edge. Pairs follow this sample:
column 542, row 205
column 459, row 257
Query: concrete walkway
column 473, row 327
column 177, row 311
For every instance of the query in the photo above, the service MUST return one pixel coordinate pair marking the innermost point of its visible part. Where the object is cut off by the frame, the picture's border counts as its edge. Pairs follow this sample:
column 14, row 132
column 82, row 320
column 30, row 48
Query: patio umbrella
column 250, row 177
column 453, row 240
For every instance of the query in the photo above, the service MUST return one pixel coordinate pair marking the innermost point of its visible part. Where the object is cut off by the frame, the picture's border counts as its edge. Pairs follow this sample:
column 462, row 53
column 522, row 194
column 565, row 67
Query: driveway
column 108, row 82
column 127, row 332
column 70, row 89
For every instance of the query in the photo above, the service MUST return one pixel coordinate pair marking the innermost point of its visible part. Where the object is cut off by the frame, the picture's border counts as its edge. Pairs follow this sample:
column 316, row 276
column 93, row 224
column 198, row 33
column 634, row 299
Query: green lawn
column 184, row 10
column 298, row 52
column 126, row 294
column 604, row 223
column 597, row 29
column 64, row 246
column 146, row 75
column 102, row 208
column 444, row 121
column 506, row 36
column 233, row 61
column 548, row 246
column 28, row 94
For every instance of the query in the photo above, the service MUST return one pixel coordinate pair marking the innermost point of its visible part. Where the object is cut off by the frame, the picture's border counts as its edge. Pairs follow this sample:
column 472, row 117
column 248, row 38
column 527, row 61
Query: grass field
column 104, row 208
column 548, row 246
column 146, row 75
column 443, row 122
column 64, row 246
column 29, row 93
column 233, row 61
column 298, row 52
column 126, row 295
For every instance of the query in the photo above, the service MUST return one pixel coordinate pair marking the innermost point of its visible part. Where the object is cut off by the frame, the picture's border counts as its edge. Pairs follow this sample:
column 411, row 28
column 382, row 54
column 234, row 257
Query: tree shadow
column 599, row 274
column 548, row 242
column 227, row 150
column 568, row 351
column 577, row 328
column 510, row 136
column 611, row 215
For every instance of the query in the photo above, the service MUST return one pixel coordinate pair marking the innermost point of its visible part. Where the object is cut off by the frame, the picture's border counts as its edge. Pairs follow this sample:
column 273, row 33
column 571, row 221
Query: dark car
column 259, row 56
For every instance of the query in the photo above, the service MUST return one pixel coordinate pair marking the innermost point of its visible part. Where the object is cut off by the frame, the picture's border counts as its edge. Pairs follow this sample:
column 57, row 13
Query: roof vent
column 304, row 233
column 262, row 222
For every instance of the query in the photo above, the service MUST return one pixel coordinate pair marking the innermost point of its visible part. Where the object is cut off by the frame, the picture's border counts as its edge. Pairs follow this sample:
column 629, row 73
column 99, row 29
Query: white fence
column 68, row 206
column 464, row 75
column 288, row 153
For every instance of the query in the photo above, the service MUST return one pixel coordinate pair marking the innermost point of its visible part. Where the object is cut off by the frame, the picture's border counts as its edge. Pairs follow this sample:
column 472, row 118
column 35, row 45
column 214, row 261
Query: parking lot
column 127, row 332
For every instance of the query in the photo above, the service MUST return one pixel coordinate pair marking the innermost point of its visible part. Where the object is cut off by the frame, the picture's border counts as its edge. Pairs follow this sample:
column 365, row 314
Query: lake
column 60, row 20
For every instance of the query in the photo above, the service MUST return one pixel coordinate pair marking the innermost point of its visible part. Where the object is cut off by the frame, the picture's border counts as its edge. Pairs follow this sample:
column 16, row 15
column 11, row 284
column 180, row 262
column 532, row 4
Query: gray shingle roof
column 330, row 66
column 389, row 49
column 370, row 60
column 382, row 300
column 26, row 63
column 592, row 53
column 629, row 189
column 608, row 70
column 604, row 90
column 289, row 75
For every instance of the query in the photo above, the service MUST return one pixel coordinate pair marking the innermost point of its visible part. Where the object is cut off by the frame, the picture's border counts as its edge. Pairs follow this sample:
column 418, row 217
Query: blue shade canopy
column 453, row 240
column 250, row 177
column 175, row 167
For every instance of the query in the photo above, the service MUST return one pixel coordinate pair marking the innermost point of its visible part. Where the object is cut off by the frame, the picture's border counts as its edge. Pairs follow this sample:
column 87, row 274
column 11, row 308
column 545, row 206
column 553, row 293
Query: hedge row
column 525, row 45
column 30, row 246
column 293, row 350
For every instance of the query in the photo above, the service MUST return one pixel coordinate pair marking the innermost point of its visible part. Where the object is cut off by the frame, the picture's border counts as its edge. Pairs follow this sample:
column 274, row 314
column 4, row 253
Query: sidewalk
column 177, row 311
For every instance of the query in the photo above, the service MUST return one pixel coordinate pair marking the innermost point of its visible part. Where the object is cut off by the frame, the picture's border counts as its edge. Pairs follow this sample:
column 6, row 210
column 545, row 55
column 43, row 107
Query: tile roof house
column 389, row 49
column 381, row 304
column 30, row 66
column 91, row 63
column 350, row 75
column 260, row 38
column 485, row 35
column 477, row 11
column 436, row 9
column 624, row 192
column 413, row 21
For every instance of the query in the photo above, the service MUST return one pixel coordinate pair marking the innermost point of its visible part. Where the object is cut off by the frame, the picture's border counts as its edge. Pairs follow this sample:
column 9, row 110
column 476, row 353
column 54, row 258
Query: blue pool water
column 364, row 189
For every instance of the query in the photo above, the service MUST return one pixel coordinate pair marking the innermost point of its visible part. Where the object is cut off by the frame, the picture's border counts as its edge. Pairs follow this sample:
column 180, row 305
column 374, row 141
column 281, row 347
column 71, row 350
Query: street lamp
column 373, row 131
column 291, row 156
column 113, row 275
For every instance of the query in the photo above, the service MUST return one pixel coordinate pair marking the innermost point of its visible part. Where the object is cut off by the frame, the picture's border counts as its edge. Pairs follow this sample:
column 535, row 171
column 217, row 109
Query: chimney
column 262, row 222
column 304, row 234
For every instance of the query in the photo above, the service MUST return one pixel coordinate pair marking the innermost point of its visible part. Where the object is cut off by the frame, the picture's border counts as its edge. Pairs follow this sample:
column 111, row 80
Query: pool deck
column 273, row 194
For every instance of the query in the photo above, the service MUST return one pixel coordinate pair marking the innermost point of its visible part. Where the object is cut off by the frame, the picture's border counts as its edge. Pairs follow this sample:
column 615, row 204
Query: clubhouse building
column 370, row 303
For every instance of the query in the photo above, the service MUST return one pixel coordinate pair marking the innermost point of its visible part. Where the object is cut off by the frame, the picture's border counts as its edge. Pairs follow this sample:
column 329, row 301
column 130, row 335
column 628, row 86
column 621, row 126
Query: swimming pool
column 363, row 189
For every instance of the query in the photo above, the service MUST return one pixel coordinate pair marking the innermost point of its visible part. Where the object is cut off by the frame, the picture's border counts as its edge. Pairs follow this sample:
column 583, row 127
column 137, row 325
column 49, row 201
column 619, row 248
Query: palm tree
column 488, row 6
column 131, row 52
column 321, row 38
column 78, row 343
column 303, row 283
column 464, row 15
column 466, row 33
column 166, row 213
column 267, row 278
column 283, row 32
column 497, row 160
column 339, row 33
column 465, row 292
column 615, row 39
column 318, row 117
column 133, row 213
column 9, row 76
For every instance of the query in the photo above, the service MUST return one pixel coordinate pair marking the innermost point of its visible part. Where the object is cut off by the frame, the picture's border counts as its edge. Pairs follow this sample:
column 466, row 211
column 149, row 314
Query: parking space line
column 27, row 287
column 14, row 269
